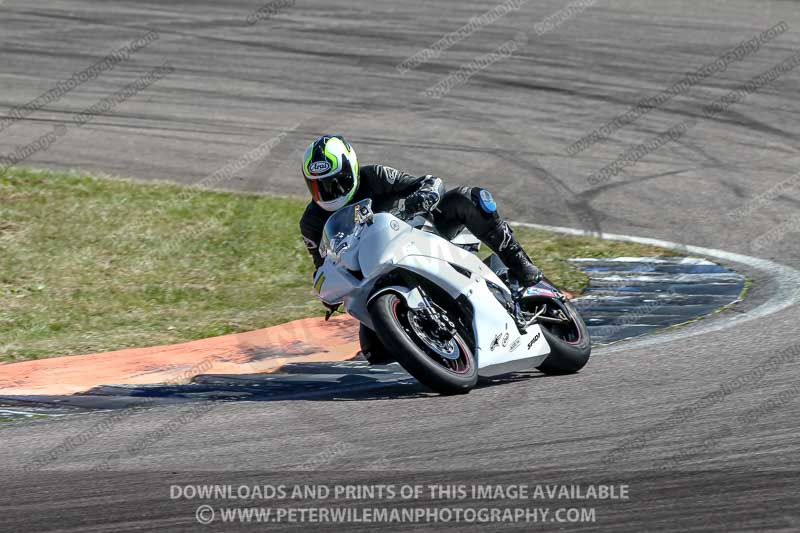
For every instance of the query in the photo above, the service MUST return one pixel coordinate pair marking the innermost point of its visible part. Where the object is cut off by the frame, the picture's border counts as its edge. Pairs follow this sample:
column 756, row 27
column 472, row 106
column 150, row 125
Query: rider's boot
column 510, row 251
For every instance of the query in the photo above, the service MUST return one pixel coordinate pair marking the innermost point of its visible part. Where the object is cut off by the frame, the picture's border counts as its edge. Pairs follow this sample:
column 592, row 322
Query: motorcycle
column 445, row 316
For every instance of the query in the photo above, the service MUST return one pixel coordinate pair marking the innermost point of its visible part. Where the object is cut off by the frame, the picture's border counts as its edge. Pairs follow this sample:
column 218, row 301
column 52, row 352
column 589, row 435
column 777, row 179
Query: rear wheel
column 372, row 348
column 443, row 363
column 570, row 343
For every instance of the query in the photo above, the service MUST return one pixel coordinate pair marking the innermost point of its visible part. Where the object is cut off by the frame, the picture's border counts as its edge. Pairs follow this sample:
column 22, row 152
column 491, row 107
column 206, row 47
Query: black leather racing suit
column 472, row 207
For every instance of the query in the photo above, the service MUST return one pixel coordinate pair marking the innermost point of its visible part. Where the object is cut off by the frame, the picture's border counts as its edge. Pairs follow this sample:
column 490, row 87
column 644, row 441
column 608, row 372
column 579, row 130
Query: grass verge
column 91, row 264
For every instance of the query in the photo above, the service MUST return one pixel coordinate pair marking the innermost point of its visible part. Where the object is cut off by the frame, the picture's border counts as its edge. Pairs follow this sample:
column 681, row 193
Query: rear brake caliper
column 543, row 303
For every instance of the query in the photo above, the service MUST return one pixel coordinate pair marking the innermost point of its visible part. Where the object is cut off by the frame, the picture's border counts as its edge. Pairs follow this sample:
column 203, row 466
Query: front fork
column 441, row 326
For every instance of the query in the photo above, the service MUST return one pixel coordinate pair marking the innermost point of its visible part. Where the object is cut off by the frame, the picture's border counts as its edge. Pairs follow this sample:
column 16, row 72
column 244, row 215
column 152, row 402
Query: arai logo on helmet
column 319, row 167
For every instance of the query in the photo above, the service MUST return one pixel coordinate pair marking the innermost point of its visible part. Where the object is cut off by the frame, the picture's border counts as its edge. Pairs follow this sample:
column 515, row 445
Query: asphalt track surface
column 330, row 66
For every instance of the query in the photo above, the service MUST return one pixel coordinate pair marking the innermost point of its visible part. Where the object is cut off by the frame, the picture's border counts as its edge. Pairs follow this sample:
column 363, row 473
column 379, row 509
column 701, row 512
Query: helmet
column 330, row 168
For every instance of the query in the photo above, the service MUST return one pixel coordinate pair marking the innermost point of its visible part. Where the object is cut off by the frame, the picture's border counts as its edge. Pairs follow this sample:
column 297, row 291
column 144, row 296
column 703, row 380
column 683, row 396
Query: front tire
column 570, row 346
column 390, row 316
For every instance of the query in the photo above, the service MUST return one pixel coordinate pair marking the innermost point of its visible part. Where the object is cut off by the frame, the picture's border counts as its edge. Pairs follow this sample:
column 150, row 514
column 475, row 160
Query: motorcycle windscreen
column 339, row 226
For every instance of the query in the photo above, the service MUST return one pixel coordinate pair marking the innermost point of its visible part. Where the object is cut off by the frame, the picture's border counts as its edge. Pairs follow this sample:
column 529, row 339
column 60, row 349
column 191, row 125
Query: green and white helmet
column 330, row 167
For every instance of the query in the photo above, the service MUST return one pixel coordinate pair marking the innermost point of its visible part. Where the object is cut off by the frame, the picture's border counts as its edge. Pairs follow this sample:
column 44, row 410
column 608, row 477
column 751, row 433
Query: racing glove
column 426, row 198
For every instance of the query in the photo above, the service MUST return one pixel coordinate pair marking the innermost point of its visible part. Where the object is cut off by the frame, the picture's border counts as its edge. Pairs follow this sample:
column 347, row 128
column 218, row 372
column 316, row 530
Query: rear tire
column 390, row 318
column 568, row 352
column 372, row 348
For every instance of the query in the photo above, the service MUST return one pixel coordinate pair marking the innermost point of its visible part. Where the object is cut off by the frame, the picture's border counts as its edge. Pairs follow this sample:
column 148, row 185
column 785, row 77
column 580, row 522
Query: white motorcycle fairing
column 387, row 243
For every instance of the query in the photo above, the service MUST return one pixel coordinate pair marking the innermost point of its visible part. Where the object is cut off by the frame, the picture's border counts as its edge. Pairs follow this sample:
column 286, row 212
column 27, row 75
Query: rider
column 334, row 178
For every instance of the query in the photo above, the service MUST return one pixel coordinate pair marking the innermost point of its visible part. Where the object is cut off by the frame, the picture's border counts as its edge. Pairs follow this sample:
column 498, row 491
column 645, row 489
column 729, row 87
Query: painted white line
column 787, row 291
column 12, row 412
column 26, row 413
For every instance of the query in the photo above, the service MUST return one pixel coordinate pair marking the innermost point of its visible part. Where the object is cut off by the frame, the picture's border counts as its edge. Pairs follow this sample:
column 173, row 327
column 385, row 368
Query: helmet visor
column 331, row 188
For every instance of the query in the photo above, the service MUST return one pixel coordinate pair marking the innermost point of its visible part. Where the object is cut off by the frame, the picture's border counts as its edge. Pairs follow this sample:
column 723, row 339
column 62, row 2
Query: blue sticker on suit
column 487, row 202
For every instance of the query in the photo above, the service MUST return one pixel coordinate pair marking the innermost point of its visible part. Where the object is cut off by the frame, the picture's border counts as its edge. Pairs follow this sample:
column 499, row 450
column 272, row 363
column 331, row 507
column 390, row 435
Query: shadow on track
column 350, row 381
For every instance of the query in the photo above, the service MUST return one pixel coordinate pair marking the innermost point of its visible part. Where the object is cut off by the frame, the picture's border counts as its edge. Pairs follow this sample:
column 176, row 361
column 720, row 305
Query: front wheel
column 445, row 365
